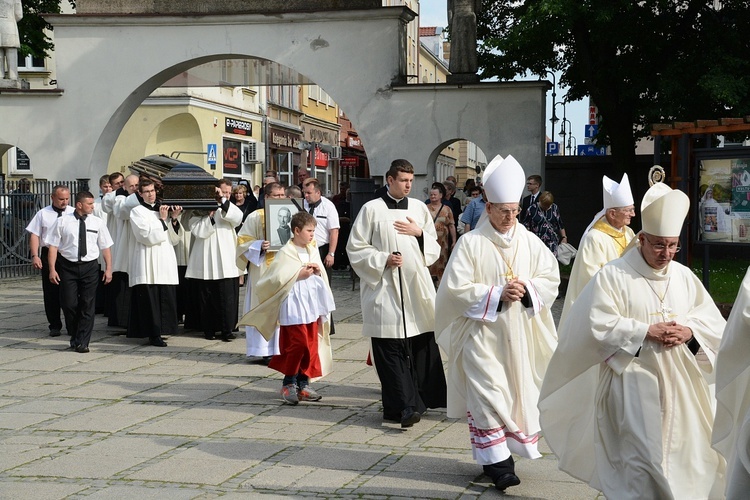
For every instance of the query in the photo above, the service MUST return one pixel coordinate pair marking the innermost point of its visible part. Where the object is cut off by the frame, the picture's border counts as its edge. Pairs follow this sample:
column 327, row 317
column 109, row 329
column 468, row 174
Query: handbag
column 565, row 253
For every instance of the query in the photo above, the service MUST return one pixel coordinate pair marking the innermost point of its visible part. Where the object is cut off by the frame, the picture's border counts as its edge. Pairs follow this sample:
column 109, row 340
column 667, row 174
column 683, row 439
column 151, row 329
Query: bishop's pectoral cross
column 665, row 312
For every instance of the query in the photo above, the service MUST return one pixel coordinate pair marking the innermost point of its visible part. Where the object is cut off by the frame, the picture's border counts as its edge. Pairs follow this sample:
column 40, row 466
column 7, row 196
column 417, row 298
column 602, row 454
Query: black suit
column 285, row 234
column 525, row 204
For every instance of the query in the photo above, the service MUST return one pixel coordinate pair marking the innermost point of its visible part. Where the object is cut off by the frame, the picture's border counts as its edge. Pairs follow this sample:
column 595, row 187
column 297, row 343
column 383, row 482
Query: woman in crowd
column 543, row 219
column 246, row 203
column 445, row 227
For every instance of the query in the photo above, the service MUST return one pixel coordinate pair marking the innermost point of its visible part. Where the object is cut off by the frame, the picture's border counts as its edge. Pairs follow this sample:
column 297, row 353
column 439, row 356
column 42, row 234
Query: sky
column 434, row 13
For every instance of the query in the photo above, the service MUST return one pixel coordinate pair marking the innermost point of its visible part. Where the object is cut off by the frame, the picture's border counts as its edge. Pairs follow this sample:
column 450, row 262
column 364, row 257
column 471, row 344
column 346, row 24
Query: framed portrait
column 278, row 215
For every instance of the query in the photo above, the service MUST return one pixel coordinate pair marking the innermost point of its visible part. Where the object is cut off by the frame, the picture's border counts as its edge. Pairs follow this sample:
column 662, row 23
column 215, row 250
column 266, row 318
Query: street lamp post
column 554, row 118
column 563, row 133
column 575, row 143
column 562, row 144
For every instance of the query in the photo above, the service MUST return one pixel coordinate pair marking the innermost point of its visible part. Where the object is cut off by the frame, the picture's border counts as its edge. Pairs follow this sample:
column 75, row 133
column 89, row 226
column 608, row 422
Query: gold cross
column 664, row 312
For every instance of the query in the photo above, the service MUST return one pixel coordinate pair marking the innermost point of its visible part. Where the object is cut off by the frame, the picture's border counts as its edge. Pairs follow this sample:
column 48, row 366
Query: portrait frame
column 273, row 209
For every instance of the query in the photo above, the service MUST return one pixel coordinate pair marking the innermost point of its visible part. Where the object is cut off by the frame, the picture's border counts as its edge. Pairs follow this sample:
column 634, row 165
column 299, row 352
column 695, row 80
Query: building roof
column 429, row 31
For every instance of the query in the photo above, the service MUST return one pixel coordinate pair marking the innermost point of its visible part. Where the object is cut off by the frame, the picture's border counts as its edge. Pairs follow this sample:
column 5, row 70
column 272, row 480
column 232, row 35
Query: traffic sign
column 553, row 148
column 211, row 154
column 591, row 131
column 591, row 150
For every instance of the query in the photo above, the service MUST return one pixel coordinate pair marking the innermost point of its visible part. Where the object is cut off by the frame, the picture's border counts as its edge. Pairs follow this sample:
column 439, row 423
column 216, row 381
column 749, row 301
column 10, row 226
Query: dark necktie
column 58, row 210
column 313, row 206
column 82, row 251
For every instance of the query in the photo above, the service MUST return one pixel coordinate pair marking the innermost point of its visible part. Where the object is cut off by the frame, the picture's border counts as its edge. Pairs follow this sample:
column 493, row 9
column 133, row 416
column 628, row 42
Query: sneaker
column 289, row 394
column 307, row 393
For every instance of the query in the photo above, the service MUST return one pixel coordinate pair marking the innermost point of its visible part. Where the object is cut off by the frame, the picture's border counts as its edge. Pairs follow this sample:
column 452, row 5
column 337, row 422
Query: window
column 30, row 63
column 284, row 95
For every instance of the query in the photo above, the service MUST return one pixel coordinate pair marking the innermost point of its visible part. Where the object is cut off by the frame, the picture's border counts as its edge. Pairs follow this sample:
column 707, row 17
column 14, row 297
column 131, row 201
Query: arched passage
column 156, row 131
column 83, row 120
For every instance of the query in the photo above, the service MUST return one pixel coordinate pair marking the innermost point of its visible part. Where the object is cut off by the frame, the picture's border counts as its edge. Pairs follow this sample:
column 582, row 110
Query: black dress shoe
column 159, row 343
column 54, row 333
column 507, row 480
column 82, row 349
column 209, row 336
column 409, row 417
column 391, row 418
column 228, row 337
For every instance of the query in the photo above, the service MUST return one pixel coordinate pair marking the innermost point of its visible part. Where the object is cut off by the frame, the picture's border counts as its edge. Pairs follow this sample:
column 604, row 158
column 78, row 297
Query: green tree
column 34, row 39
column 641, row 62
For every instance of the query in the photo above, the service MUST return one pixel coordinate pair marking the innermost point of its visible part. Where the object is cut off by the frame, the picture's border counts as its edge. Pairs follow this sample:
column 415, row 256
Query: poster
column 740, row 185
column 715, row 203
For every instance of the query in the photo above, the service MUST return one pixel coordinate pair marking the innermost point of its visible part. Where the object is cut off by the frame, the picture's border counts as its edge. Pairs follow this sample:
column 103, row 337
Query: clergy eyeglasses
column 673, row 247
column 508, row 212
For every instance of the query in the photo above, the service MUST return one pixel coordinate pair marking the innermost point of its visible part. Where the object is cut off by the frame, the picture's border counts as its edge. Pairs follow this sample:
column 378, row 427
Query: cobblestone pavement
column 197, row 420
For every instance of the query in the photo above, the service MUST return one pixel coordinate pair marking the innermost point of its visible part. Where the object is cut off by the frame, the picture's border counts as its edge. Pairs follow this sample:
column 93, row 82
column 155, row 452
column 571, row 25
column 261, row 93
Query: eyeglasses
column 626, row 210
column 508, row 212
column 672, row 248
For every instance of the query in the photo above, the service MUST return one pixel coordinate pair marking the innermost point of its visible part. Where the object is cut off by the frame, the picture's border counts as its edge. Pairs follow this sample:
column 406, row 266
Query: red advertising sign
column 232, row 157
column 321, row 158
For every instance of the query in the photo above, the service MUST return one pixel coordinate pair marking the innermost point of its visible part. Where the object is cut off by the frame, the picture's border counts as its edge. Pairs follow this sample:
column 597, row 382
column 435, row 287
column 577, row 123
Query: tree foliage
column 31, row 28
column 642, row 62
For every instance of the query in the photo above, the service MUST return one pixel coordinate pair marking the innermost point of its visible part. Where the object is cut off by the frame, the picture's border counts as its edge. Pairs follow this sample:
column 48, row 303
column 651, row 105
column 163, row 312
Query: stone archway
column 103, row 77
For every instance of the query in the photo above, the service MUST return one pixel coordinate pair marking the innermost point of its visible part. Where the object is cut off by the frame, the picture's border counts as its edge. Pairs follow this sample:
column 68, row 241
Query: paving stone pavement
column 196, row 420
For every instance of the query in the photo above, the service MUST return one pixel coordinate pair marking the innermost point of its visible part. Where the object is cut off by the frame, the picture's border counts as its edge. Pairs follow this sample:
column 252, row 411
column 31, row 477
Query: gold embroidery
column 619, row 236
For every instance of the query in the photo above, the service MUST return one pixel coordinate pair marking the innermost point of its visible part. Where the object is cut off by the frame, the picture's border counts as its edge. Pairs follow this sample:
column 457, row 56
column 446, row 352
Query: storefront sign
column 284, row 140
column 238, row 127
column 321, row 158
column 353, row 142
column 349, row 161
column 232, row 157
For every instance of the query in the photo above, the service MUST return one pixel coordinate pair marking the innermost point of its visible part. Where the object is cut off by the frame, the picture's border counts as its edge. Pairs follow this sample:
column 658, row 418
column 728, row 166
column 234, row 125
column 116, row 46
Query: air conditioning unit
column 336, row 153
column 252, row 152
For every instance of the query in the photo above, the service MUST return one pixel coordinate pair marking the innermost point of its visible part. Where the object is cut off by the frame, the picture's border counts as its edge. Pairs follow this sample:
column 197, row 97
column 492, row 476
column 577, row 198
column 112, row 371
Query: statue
column 11, row 12
column 462, row 18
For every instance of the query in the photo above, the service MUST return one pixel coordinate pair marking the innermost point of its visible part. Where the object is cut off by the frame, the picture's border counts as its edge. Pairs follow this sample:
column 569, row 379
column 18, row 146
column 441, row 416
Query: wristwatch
column 332, row 254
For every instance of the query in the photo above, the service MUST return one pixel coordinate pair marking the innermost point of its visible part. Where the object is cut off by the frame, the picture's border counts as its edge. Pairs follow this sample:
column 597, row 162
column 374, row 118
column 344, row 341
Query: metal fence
column 19, row 201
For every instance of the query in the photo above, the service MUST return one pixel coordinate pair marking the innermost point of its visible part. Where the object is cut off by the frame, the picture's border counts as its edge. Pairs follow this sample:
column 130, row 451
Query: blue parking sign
column 553, row 148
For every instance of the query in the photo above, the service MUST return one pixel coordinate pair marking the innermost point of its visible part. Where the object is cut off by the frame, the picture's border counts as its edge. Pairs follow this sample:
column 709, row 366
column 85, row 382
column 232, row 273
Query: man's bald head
column 131, row 183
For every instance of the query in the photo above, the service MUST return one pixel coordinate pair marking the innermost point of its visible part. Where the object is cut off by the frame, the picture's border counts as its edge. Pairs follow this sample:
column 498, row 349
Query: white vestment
column 731, row 434
column 99, row 212
column 249, row 241
column 372, row 239
column 152, row 258
column 497, row 360
column 184, row 238
column 118, row 208
column 213, row 256
column 635, row 426
column 598, row 246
